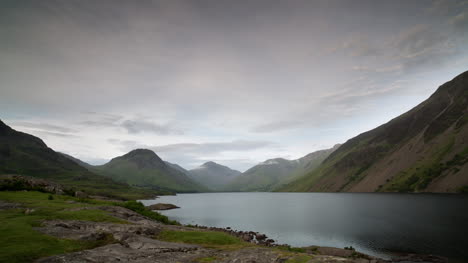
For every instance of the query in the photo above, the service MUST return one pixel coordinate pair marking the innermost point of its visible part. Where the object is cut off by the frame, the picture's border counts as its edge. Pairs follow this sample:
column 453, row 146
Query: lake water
column 372, row 223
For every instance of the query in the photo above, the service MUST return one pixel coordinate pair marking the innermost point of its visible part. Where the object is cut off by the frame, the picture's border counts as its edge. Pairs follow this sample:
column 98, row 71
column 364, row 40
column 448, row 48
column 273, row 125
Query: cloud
column 97, row 119
column 358, row 46
column 225, row 69
column 419, row 40
column 460, row 22
column 134, row 125
column 445, row 7
column 140, row 126
column 277, row 126
column 388, row 69
column 213, row 147
column 41, row 133
column 43, row 126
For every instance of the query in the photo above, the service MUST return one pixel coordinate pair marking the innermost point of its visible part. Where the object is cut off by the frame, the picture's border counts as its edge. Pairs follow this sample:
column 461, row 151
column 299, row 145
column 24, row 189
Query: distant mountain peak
column 144, row 158
column 273, row 161
column 210, row 163
column 142, row 152
column 213, row 175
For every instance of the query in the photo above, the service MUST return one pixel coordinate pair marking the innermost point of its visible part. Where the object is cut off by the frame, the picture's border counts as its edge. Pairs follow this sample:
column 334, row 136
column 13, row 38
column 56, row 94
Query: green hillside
column 213, row 175
column 143, row 168
column 24, row 154
column 425, row 149
column 274, row 173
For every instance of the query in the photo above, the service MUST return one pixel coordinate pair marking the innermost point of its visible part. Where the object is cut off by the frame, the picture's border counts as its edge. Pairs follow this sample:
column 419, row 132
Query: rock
column 20, row 182
column 162, row 206
column 85, row 230
column 120, row 253
column 260, row 236
column 29, row 211
column 80, row 194
column 247, row 237
column 6, row 205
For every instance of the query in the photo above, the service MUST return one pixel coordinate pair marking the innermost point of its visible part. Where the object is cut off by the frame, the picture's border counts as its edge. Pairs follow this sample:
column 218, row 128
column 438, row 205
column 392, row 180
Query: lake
column 376, row 224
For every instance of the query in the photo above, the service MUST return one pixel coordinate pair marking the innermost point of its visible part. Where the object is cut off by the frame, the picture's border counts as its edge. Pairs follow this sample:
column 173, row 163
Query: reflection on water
column 372, row 223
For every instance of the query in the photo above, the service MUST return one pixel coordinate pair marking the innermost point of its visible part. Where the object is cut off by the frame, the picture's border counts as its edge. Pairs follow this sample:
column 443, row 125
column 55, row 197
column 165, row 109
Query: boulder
column 14, row 182
column 80, row 194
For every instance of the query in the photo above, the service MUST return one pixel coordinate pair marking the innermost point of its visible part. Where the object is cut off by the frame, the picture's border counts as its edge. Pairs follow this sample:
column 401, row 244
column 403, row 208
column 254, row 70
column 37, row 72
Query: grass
column 292, row 249
column 299, row 259
column 142, row 210
column 418, row 177
column 19, row 242
column 206, row 259
column 204, row 238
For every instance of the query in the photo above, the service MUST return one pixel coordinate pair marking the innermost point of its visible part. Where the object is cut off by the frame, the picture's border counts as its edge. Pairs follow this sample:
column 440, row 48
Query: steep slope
column 78, row 161
column 274, row 173
column 24, row 154
column 425, row 149
column 143, row 168
column 178, row 167
column 213, row 175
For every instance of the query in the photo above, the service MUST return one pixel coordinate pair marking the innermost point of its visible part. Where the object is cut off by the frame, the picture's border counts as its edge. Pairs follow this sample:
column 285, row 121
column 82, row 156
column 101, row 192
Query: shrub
column 50, row 197
column 350, row 248
column 142, row 210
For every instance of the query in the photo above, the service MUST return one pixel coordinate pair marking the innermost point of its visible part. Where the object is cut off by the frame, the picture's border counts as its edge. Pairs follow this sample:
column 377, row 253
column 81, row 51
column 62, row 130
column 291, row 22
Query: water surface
column 372, row 223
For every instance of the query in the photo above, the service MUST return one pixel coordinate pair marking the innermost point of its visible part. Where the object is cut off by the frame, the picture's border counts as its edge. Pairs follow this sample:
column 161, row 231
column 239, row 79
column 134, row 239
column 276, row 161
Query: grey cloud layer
column 221, row 70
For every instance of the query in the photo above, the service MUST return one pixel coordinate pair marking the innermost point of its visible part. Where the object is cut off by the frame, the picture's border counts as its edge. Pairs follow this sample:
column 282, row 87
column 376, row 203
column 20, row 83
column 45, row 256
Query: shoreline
column 126, row 232
column 263, row 240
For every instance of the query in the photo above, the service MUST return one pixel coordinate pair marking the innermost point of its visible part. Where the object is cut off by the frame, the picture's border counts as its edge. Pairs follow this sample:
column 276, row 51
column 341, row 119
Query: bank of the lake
column 376, row 224
column 51, row 228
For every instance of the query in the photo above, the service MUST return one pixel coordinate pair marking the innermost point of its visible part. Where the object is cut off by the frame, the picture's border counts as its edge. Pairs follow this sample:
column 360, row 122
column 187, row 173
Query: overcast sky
column 236, row 82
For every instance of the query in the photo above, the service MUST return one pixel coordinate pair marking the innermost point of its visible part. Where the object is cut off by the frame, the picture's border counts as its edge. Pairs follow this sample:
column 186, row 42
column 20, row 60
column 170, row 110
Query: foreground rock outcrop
column 20, row 182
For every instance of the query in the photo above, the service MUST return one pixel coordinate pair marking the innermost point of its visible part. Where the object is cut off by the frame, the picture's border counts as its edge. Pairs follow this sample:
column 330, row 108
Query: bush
column 142, row 210
column 50, row 197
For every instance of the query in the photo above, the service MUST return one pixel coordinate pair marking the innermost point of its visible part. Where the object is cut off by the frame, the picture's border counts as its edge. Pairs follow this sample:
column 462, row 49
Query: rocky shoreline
column 349, row 252
column 137, row 242
column 137, row 239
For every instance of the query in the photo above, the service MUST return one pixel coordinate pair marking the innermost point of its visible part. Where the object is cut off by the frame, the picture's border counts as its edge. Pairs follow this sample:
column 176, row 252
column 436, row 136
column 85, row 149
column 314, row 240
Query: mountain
column 423, row 150
column 24, row 154
column 274, row 173
column 178, row 167
column 213, row 175
column 78, row 161
column 144, row 168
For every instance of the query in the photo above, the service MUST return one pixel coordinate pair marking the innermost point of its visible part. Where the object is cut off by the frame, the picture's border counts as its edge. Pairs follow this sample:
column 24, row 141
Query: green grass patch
column 418, row 177
column 19, row 242
column 142, row 210
column 292, row 249
column 207, row 238
column 299, row 259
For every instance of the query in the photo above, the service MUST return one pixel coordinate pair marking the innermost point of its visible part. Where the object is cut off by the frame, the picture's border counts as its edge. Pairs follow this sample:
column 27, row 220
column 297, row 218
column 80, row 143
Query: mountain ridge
column 424, row 149
column 213, row 175
column 25, row 154
column 272, row 173
column 144, row 168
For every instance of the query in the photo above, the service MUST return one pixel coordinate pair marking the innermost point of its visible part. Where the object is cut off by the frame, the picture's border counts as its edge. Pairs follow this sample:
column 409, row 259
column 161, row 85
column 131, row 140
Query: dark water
column 372, row 223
